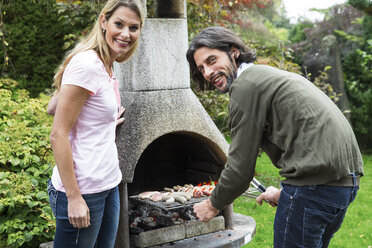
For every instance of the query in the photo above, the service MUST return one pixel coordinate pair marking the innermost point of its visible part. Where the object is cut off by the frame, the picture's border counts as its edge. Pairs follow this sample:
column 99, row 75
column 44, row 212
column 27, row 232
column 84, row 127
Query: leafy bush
column 35, row 38
column 358, row 73
column 25, row 160
column 216, row 105
column 38, row 34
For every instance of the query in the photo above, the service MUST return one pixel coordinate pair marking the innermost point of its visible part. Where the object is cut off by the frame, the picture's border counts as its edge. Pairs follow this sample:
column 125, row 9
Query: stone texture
column 46, row 245
column 152, row 114
column 160, row 61
column 196, row 228
column 160, row 236
column 178, row 232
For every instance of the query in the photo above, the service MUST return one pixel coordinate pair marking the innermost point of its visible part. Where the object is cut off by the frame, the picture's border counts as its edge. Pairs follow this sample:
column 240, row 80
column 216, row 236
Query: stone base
column 242, row 233
column 177, row 232
column 46, row 245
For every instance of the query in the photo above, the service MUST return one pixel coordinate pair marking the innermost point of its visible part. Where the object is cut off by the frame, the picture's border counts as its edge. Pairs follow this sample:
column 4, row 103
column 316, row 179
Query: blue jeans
column 308, row 216
column 104, row 208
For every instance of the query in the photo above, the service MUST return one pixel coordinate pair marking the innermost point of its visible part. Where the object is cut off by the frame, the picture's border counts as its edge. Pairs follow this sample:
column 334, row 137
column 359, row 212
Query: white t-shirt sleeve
column 81, row 70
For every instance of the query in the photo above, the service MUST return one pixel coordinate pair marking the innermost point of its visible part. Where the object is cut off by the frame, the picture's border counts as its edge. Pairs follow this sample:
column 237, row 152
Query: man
column 302, row 131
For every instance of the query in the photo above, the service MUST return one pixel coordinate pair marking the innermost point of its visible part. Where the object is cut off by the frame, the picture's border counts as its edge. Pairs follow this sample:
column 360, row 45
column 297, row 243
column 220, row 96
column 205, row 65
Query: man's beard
column 230, row 76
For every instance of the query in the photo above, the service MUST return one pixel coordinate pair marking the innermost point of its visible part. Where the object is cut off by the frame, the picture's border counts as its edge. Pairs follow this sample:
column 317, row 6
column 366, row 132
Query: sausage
column 180, row 199
column 169, row 201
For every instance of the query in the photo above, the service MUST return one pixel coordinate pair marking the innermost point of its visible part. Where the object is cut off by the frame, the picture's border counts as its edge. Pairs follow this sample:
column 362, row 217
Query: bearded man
column 303, row 132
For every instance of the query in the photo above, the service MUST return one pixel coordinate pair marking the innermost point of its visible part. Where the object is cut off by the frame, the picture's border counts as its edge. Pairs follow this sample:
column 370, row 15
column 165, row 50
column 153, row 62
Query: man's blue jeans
column 308, row 216
column 104, row 208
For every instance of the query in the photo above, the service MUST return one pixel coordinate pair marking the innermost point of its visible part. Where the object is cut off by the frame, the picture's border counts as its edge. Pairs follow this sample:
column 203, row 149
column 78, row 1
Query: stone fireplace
column 167, row 137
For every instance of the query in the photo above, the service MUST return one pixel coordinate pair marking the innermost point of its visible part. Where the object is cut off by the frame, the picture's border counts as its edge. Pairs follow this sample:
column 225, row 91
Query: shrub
column 38, row 34
column 25, row 160
column 35, row 42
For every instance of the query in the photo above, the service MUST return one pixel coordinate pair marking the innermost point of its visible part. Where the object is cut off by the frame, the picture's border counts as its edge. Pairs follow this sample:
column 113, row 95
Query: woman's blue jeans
column 104, row 208
column 308, row 216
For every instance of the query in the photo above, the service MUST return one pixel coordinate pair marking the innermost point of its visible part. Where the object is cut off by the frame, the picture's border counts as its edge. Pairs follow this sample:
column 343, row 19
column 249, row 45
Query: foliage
column 358, row 73
column 340, row 19
column 321, row 82
column 298, row 31
column 244, row 15
column 363, row 5
column 79, row 15
column 35, row 40
column 37, row 35
column 25, row 158
column 216, row 104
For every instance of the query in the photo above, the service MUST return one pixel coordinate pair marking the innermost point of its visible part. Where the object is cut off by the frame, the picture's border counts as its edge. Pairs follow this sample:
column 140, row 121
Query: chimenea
column 168, row 138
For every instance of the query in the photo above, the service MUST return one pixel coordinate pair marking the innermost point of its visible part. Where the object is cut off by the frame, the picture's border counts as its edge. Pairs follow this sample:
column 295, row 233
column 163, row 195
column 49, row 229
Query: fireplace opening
column 176, row 158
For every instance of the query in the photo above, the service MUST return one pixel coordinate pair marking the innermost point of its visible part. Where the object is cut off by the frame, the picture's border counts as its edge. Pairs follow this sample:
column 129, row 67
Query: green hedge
column 38, row 34
column 25, row 166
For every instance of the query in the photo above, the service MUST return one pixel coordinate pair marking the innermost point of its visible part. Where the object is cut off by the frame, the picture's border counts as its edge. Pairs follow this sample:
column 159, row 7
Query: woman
column 84, row 187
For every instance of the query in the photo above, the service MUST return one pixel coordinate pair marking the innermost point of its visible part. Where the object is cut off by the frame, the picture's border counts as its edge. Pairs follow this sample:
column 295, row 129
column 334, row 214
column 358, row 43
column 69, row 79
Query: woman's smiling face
column 122, row 31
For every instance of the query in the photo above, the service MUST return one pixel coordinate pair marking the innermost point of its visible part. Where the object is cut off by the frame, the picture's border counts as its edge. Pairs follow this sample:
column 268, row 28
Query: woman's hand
column 120, row 119
column 78, row 212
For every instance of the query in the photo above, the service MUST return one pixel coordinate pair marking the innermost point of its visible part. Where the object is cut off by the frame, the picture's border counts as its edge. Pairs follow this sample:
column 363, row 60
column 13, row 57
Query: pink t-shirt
column 92, row 137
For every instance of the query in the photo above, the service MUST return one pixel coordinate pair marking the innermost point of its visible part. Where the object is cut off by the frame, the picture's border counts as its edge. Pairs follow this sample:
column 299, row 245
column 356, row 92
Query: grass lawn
column 356, row 230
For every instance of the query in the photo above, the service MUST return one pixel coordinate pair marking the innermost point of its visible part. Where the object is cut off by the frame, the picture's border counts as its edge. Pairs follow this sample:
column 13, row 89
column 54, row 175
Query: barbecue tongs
column 256, row 191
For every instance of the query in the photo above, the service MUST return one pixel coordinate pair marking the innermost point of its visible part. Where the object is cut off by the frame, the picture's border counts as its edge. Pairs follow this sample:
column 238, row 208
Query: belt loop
column 312, row 187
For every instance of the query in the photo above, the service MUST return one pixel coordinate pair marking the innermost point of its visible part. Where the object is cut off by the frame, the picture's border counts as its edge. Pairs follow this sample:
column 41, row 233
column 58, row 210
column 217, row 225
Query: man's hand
column 205, row 211
column 271, row 195
column 78, row 212
column 120, row 119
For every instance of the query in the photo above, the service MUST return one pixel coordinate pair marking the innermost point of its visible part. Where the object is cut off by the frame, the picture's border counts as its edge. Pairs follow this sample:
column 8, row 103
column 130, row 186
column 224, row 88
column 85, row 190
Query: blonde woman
column 83, row 191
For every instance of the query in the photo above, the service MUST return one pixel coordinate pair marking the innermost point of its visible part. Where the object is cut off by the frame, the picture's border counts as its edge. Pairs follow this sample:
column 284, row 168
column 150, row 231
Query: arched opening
column 176, row 159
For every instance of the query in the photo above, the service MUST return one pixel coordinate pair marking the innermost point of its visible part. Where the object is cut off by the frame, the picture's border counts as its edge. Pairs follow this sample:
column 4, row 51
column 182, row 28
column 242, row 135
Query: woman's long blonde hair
column 95, row 40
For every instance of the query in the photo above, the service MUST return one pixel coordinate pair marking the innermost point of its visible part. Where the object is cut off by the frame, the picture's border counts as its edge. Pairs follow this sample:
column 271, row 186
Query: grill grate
column 163, row 206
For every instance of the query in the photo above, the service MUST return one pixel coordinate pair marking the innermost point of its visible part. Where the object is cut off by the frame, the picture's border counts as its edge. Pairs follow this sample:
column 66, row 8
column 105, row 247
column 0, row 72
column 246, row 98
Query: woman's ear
column 102, row 21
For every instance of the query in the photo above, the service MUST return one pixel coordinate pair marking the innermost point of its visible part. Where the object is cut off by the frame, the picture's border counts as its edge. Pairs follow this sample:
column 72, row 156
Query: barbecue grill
column 168, row 138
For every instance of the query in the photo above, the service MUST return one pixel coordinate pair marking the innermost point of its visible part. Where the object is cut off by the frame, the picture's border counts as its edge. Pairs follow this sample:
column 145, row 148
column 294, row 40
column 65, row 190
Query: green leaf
column 41, row 195
column 28, row 236
column 34, row 182
column 2, row 207
column 16, row 161
column 4, row 175
column 31, row 204
column 22, row 226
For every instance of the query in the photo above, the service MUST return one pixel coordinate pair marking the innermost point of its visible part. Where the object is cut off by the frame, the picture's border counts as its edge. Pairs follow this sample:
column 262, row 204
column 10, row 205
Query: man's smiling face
column 216, row 66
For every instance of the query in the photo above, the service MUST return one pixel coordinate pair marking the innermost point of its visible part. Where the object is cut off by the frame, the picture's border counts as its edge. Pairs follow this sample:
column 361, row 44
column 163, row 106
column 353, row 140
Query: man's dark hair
column 216, row 38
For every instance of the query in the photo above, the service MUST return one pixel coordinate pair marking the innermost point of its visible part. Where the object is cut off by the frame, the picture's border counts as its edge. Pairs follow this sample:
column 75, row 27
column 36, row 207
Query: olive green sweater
column 303, row 132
